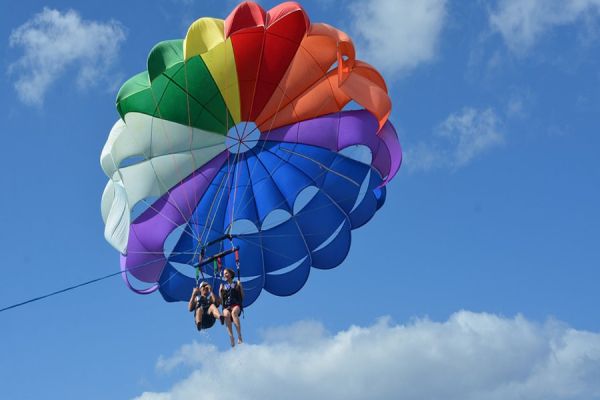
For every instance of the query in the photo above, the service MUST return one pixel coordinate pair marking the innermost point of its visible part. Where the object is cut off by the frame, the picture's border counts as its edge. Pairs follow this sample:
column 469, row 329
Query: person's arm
column 192, row 302
column 221, row 289
column 213, row 298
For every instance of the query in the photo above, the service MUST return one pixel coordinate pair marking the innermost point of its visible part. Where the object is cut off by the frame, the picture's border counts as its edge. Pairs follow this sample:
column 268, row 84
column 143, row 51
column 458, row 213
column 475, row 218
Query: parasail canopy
column 242, row 128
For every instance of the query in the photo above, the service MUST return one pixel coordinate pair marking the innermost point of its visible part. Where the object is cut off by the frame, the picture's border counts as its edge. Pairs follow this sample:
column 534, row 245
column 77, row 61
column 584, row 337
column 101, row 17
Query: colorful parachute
column 240, row 129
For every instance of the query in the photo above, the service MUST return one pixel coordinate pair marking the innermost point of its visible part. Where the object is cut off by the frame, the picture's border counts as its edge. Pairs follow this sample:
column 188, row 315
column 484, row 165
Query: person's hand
column 195, row 291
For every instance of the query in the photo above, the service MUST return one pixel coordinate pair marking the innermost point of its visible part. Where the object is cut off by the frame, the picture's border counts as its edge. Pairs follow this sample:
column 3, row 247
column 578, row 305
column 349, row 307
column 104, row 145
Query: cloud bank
column 522, row 22
column 457, row 141
column 469, row 356
column 397, row 35
column 55, row 44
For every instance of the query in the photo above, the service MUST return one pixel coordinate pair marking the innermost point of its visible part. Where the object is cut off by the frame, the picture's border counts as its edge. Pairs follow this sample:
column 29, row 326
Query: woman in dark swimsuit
column 232, row 296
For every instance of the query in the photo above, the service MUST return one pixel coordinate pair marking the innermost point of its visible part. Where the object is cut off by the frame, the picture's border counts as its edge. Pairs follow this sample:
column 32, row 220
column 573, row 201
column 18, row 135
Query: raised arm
column 192, row 302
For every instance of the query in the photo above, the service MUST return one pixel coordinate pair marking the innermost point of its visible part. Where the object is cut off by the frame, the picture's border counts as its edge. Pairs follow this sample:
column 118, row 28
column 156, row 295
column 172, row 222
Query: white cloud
column 522, row 22
column 461, row 138
column 472, row 132
column 397, row 35
column 470, row 356
column 54, row 44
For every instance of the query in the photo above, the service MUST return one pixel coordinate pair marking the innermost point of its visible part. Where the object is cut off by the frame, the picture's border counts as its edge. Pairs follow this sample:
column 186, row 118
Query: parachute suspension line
column 226, row 178
column 199, row 238
column 323, row 166
column 220, row 193
column 235, row 189
column 149, row 159
column 332, row 204
column 198, row 270
column 284, row 201
column 230, row 228
column 226, row 116
column 237, row 260
column 219, row 201
column 236, row 166
column 269, row 235
column 132, row 268
column 267, row 133
column 191, row 130
column 269, row 249
column 215, row 268
column 212, row 204
column 175, row 163
column 264, row 141
column 285, row 256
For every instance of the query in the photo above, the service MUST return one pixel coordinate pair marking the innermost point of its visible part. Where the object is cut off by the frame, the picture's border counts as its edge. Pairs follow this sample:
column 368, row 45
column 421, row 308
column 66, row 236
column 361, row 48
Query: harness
column 231, row 295
column 203, row 302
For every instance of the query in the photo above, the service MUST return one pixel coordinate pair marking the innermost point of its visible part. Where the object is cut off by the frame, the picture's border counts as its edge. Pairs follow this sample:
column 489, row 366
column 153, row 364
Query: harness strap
column 237, row 261
column 198, row 270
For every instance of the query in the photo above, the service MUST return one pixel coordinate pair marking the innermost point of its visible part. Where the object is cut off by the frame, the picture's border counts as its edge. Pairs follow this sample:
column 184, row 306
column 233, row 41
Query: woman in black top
column 232, row 296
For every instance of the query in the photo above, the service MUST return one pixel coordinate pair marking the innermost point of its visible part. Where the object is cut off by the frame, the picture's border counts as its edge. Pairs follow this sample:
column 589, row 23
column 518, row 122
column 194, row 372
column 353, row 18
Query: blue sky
column 477, row 279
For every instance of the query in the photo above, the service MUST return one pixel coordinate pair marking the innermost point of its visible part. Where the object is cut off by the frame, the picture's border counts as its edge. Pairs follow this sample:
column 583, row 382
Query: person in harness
column 232, row 296
column 204, row 304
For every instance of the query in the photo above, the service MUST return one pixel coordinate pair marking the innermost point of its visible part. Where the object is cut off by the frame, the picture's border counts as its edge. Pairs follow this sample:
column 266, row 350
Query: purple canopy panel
column 147, row 234
column 343, row 129
column 390, row 139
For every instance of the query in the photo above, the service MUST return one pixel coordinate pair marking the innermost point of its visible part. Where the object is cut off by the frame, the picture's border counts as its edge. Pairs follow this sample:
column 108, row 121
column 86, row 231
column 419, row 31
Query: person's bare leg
column 214, row 311
column 236, row 321
column 227, row 316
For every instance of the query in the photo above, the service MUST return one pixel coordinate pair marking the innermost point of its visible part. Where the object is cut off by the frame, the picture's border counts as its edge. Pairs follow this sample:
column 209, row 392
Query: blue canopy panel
column 326, row 230
column 365, row 209
column 175, row 283
column 380, row 194
column 175, row 286
column 284, row 264
column 212, row 206
column 298, row 203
